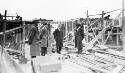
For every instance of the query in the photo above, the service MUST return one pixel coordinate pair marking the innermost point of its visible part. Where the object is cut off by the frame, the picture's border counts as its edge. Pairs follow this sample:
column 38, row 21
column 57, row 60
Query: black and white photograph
column 62, row 36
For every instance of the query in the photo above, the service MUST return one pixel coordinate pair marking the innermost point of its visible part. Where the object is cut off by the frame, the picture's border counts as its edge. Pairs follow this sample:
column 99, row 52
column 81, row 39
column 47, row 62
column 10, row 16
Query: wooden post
column 18, row 41
column 12, row 17
column 123, row 28
column 72, row 25
column 22, row 59
column 66, row 30
column 87, row 28
column 4, row 34
column 23, row 39
column 117, row 36
column 21, row 34
column 103, row 26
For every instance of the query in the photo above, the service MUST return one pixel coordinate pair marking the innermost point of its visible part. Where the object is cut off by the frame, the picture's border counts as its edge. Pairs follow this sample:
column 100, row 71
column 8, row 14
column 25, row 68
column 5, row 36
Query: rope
column 106, row 12
column 113, row 10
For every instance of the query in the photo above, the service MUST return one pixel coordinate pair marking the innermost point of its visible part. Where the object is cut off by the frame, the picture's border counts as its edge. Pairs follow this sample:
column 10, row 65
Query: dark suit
column 58, row 36
column 79, row 35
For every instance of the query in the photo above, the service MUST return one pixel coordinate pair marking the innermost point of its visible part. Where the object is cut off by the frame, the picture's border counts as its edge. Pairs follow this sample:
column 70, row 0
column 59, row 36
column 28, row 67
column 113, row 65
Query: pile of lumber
column 97, row 63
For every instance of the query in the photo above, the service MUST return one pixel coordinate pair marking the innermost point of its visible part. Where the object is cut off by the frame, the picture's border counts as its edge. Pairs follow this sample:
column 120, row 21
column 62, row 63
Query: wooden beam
column 117, row 37
column 103, row 26
column 87, row 29
column 11, row 30
column 23, row 39
column 90, row 44
column 7, row 64
column 123, row 26
column 4, row 33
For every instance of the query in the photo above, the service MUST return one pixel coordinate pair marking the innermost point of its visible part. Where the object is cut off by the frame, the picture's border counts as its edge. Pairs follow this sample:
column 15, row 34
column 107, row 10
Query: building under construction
column 102, row 51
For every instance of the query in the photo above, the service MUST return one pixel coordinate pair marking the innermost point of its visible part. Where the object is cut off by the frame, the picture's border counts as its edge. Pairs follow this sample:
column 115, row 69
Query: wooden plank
column 90, row 45
column 86, row 64
column 117, row 37
column 4, row 33
column 123, row 26
column 7, row 64
column 12, row 30
column 87, row 29
column 111, row 46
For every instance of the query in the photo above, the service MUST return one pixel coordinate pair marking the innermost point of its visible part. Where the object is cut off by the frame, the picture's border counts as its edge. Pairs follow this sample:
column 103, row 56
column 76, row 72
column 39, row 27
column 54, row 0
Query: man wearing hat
column 44, row 39
column 34, row 41
column 79, row 35
column 58, row 36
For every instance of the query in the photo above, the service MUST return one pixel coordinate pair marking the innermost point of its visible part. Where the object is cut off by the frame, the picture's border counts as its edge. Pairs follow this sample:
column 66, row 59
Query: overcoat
column 58, row 36
column 79, row 35
column 44, row 37
column 34, row 41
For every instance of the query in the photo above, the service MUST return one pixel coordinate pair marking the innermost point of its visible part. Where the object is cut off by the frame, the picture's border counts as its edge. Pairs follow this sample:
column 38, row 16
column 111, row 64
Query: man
column 34, row 41
column 79, row 35
column 58, row 36
column 44, row 39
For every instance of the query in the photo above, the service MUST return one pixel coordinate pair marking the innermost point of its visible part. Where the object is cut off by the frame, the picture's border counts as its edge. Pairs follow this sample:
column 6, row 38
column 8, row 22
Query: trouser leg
column 57, row 49
column 33, row 57
column 60, row 49
column 43, row 51
column 80, row 50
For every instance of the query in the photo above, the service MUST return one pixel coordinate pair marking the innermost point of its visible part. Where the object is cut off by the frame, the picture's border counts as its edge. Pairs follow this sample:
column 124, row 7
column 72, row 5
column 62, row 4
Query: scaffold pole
column 4, row 34
column 123, row 28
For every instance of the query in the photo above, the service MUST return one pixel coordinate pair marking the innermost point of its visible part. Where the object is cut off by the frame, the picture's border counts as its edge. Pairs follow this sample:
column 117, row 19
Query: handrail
column 12, row 29
column 94, row 22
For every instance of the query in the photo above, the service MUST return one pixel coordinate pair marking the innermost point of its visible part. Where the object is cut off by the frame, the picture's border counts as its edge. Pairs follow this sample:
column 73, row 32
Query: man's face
column 59, row 26
column 77, row 25
column 39, row 26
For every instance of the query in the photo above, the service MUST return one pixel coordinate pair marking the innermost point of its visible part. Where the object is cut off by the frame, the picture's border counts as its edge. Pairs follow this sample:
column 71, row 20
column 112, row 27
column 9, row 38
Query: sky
column 59, row 9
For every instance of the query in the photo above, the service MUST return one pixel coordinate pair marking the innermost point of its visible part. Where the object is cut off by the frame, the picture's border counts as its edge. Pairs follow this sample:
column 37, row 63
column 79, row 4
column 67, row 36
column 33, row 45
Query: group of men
column 38, row 38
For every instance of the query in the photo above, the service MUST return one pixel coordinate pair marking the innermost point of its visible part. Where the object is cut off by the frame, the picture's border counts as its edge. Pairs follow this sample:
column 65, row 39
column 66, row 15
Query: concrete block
column 50, row 67
column 44, row 64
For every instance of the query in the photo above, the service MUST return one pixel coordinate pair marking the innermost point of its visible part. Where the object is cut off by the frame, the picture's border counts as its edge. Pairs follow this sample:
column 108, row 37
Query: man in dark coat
column 58, row 36
column 79, row 35
column 34, row 41
column 44, row 39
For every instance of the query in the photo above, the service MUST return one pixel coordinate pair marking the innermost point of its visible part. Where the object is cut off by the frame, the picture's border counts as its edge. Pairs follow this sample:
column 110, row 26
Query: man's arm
column 55, row 34
column 82, row 33
column 42, row 33
column 32, row 35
